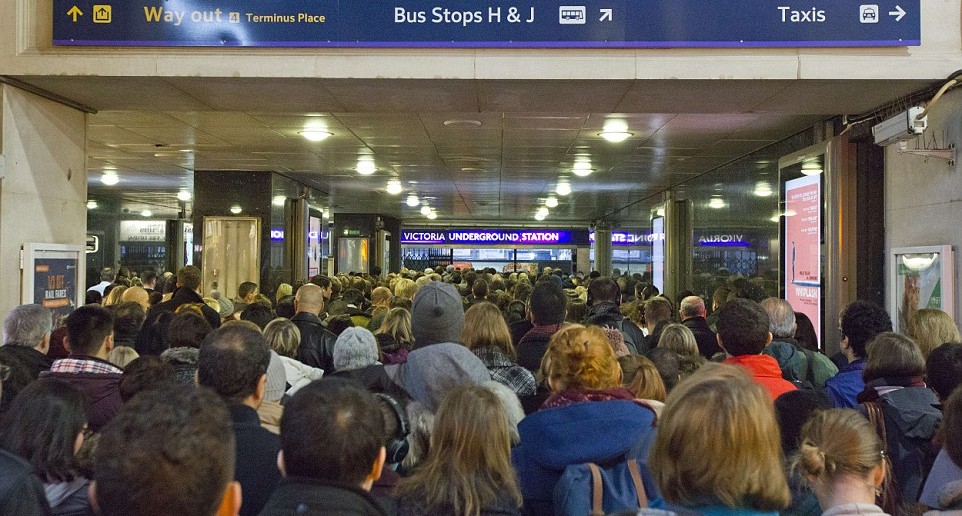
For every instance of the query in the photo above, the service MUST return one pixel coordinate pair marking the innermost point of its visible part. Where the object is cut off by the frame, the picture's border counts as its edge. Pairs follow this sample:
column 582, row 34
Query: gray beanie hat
column 355, row 348
column 226, row 306
column 432, row 372
column 437, row 314
column 276, row 379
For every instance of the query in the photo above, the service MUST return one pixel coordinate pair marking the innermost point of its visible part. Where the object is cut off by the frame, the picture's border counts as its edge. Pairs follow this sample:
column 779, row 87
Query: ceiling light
column 763, row 189
column 365, row 167
column 315, row 135
column 394, row 187
column 109, row 179
column 918, row 262
column 551, row 202
column 278, row 200
column 811, row 168
column 425, row 210
column 463, row 122
column 183, row 195
column 540, row 216
column 716, row 203
column 146, row 213
column 91, row 204
column 616, row 136
column 325, row 214
column 563, row 189
column 582, row 168
column 542, row 211
column 235, row 209
column 433, row 215
column 413, row 201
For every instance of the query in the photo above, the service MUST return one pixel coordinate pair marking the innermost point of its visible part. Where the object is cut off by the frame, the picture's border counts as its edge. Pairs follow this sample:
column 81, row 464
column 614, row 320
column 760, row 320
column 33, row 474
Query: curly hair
column 581, row 358
column 861, row 321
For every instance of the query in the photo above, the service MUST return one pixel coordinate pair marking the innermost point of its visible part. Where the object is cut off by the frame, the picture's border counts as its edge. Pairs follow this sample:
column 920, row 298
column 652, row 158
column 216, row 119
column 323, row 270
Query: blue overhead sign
column 488, row 23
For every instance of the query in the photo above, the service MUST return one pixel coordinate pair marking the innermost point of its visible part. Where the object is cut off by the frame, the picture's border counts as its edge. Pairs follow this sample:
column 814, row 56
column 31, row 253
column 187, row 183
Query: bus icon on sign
column 571, row 15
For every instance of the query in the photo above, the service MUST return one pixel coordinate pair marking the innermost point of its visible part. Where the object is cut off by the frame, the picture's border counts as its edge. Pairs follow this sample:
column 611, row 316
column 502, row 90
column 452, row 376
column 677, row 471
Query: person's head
column 480, row 289
column 137, row 295
column 352, row 451
column 892, row 355
column 247, row 291
column 437, row 314
column 355, row 348
column 603, row 290
column 187, row 330
column 353, row 296
column 657, row 310
column 283, row 337
column 548, row 303
column 339, row 323
column 469, row 461
column 90, row 331
column 145, row 373
column 405, row 288
column 742, row 327
column 92, row 297
column 120, row 356
column 28, row 325
column 669, row 365
column 805, row 332
column 189, row 278
column 397, row 323
column 580, row 358
column 719, row 297
column 148, row 278
column 718, row 444
column 258, row 313
column 646, row 383
column 45, row 425
column 930, row 328
column 952, row 426
column 115, row 295
column 168, row 451
column 380, row 296
column 233, row 363
column 943, row 369
column 129, row 316
column 840, row 449
column 792, row 410
column 485, row 327
column 310, row 299
column 861, row 321
column 327, row 288
column 678, row 338
column 781, row 317
column 691, row 306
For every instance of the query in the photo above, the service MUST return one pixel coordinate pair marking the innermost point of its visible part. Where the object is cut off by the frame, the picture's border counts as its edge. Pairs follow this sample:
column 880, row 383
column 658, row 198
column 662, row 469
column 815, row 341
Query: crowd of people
column 450, row 392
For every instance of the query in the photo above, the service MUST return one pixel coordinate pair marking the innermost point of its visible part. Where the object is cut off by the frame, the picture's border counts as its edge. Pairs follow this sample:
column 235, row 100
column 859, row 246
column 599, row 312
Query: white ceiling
column 156, row 131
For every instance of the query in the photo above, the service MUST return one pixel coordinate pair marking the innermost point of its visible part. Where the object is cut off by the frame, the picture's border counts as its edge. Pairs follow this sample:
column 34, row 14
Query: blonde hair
column 718, row 444
column 678, row 338
column 484, row 326
column 468, row 466
column 115, row 295
column 397, row 323
column 580, row 358
column 930, row 328
column 283, row 336
column 647, row 383
column 405, row 288
column 837, row 442
column 120, row 356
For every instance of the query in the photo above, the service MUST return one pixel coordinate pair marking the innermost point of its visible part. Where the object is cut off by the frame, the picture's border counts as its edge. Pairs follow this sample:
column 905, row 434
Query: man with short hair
column 247, row 292
column 479, row 292
column 90, row 337
column 317, row 343
column 861, row 321
column 106, row 279
column 233, row 363
column 800, row 366
column 547, row 307
column 187, row 292
column 743, row 334
column 604, row 299
column 169, row 451
column 380, row 306
column 657, row 315
column 129, row 316
column 26, row 338
column 332, row 475
column 692, row 313
column 148, row 279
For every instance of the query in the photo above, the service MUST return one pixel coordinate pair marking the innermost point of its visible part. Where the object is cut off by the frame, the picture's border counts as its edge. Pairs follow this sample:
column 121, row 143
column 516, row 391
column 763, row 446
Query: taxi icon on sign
column 868, row 13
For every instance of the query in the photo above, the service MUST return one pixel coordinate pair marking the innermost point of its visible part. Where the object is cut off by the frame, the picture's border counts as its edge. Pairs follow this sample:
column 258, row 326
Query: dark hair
column 668, row 364
column 189, row 277
column 548, row 303
column 144, row 373
column 350, row 419
column 285, row 307
column 128, row 318
column 890, row 355
column 232, row 360
column 187, row 329
column 245, row 288
column 805, row 332
column 155, row 297
column 92, row 297
column 258, row 313
column 658, row 309
column 480, row 289
column 42, row 425
column 743, row 327
column 944, row 369
column 169, row 451
column 952, row 426
column 87, row 327
column 339, row 323
column 603, row 290
column 321, row 281
column 353, row 296
column 147, row 276
column 861, row 322
column 792, row 410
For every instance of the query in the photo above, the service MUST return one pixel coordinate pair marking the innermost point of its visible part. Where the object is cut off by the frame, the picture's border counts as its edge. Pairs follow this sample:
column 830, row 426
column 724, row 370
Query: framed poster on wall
column 920, row 277
column 53, row 276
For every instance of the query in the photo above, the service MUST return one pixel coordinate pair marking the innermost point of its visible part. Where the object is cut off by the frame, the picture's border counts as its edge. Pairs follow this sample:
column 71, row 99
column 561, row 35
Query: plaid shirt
column 503, row 370
column 83, row 364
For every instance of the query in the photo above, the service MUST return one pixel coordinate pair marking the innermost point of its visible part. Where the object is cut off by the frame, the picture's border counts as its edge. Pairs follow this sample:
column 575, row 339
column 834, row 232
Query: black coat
column 608, row 315
column 373, row 378
column 21, row 491
column 256, row 465
column 296, row 495
column 707, row 342
column 26, row 364
column 150, row 340
column 317, row 343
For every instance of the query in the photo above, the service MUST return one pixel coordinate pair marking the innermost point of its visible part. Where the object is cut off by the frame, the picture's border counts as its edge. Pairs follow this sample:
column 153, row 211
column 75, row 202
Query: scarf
column 571, row 396
column 871, row 392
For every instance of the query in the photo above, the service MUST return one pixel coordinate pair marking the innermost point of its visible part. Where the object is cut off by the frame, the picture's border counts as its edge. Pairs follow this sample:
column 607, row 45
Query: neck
column 252, row 402
column 847, row 489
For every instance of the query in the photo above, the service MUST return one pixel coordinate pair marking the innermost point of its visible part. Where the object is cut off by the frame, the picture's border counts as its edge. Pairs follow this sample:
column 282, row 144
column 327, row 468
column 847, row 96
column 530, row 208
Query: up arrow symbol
column 74, row 12
column 899, row 13
column 605, row 14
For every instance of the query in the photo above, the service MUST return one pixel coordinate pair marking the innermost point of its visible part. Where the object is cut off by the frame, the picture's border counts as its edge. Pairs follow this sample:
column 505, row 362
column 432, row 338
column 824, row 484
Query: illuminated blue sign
column 434, row 236
column 723, row 240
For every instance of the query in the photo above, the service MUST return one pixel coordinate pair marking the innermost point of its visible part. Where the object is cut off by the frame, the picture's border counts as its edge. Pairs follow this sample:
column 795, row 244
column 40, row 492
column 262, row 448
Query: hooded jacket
column 764, row 371
column 609, row 316
column 843, row 388
column 794, row 363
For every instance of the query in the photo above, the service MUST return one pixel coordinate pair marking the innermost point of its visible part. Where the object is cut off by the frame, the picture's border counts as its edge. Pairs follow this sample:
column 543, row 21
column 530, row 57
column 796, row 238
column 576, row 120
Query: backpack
column 808, row 382
column 589, row 489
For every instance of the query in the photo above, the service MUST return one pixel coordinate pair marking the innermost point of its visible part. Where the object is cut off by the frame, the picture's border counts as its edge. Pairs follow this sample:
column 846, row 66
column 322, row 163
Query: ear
column 878, row 474
column 768, row 340
column 109, row 343
column 378, row 465
column 280, row 463
column 261, row 387
column 66, row 344
column 92, row 496
column 44, row 345
column 230, row 504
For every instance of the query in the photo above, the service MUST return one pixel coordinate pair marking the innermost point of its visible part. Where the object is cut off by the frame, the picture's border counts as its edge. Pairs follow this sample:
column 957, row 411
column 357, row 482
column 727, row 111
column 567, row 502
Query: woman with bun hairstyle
column 840, row 457
column 589, row 416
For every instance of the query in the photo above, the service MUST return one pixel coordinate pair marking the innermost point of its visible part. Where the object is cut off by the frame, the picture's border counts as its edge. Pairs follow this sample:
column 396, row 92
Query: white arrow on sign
column 899, row 13
column 605, row 14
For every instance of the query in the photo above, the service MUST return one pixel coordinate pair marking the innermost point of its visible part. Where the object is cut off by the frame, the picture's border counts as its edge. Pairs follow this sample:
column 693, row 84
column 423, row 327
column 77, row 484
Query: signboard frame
column 940, row 281
column 34, row 253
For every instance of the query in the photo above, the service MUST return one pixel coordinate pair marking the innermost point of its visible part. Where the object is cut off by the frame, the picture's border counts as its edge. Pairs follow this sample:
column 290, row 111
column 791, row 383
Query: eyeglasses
column 4, row 373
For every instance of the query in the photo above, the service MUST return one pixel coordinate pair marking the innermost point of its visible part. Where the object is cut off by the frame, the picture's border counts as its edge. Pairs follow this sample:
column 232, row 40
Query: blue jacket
column 593, row 431
column 843, row 388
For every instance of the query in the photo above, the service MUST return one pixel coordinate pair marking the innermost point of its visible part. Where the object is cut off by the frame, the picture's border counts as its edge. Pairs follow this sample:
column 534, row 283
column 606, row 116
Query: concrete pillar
column 603, row 248
column 43, row 181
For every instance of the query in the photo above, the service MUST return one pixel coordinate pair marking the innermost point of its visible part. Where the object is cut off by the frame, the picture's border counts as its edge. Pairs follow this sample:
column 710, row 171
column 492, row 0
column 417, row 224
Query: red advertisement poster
column 802, row 254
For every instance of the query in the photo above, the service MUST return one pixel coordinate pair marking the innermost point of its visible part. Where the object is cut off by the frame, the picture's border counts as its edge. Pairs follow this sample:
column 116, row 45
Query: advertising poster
column 313, row 247
column 919, row 283
column 801, row 250
column 55, row 284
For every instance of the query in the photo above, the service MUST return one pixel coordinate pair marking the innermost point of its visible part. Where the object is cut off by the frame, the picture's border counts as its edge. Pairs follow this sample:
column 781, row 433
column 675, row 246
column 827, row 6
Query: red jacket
column 765, row 371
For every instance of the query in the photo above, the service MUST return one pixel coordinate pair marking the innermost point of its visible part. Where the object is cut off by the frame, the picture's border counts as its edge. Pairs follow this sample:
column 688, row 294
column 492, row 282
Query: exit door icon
column 102, row 14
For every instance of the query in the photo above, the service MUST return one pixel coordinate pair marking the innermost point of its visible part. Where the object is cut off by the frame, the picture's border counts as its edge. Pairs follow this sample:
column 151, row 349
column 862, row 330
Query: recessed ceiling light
column 413, row 201
column 551, row 202
column 563, row 189
column 365, row 167
column 433, row 215
column 812, row 168
column 471, row 169
column 109, row 179
column 278, row 200
column 394, row 187
column 716, row 203
column 615, row 136
column 582, row 168
column 763, row 189
column 425, row 210
column 91, row 204
column 542, row 211
column 540, row 216
column 315, row 135
column 463, row 123
column 325, row 214
column 146, row 213
column 235, row 209
column 183, row 195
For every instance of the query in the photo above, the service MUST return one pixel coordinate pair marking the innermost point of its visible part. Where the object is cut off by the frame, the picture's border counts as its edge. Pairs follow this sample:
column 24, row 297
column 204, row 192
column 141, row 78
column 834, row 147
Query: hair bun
column 811, row 458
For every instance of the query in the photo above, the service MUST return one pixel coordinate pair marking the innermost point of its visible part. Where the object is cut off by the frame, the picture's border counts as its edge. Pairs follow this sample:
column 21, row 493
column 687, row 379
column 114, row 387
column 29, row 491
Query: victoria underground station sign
column 487, row 23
